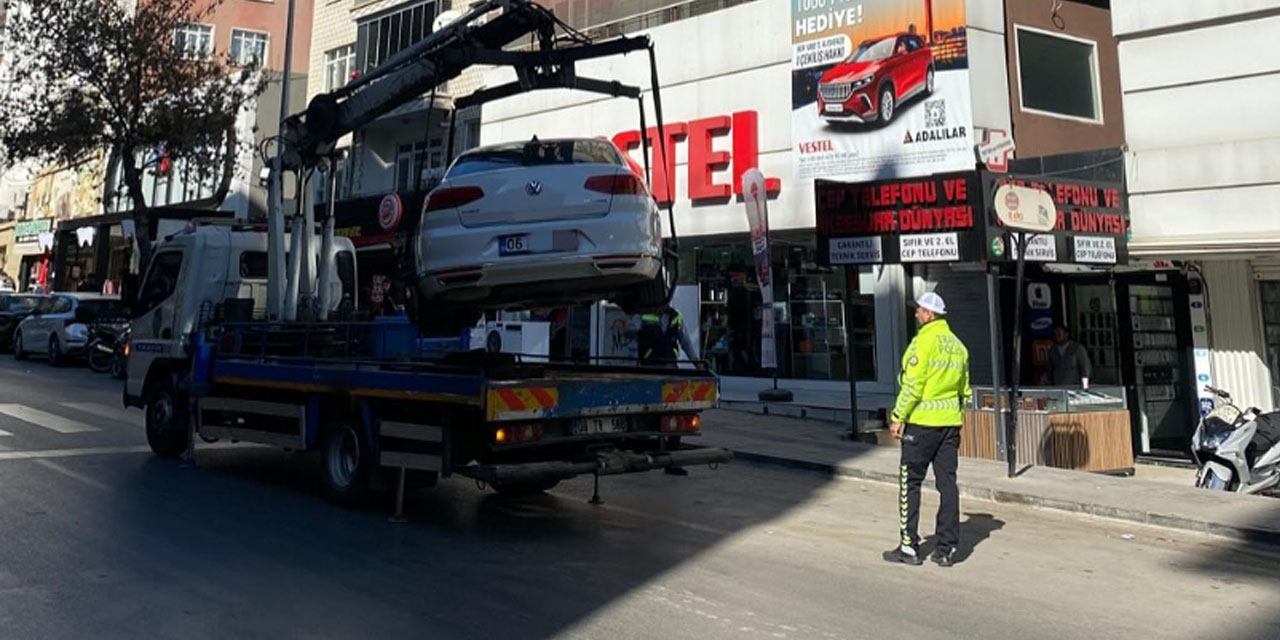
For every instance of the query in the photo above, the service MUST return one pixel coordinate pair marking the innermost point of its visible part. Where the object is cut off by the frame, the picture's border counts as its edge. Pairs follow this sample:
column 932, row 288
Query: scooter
column 106, row 350
column 1237, row 450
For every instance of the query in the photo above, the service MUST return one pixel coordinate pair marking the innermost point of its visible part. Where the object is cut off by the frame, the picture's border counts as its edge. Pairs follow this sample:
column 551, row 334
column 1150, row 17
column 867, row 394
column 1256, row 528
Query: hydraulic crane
column 481, row 35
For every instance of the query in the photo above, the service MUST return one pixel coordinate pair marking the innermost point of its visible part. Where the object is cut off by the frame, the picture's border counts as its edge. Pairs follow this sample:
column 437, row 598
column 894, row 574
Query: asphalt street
column 99, row 539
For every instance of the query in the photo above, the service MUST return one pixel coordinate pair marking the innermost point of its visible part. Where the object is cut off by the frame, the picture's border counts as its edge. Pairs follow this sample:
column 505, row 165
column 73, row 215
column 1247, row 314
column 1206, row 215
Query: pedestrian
column 934, row 385
column 1069, row 364
column 659, row 338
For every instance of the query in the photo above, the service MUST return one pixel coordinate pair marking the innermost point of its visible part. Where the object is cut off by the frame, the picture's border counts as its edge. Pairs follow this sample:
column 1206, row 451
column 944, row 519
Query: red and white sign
column 700, row 136
column 757, row 202
column 390, row 211
column 995, row 149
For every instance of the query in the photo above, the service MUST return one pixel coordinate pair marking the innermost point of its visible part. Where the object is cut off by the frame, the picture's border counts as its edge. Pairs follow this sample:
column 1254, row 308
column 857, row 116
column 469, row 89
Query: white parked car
column 560, row 220
column 60, row 326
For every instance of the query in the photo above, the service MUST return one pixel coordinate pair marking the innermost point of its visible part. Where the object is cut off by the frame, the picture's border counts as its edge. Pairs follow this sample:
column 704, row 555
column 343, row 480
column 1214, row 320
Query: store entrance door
column 1155, row 333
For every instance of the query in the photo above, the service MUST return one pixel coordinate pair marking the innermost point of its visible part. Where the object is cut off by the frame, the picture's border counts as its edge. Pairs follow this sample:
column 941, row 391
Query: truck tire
column 168, row 433
column 525, row 488
column 347, row 463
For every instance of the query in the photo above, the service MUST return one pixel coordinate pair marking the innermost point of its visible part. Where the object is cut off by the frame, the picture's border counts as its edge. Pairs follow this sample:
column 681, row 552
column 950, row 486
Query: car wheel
column 928, row 82
column 888, row 102
column 166, row 419
column 650, row 296
column 18, row 353
column 347, row 463
column 55, row 351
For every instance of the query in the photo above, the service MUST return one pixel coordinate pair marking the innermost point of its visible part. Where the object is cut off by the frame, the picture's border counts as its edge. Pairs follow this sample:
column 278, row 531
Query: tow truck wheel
column 167, row 431
column 348, row 464
column 525, row 488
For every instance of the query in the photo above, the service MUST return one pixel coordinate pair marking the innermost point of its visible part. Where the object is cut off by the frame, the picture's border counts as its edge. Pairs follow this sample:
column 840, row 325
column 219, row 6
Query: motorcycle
column 108, row 350
column 1237, row 450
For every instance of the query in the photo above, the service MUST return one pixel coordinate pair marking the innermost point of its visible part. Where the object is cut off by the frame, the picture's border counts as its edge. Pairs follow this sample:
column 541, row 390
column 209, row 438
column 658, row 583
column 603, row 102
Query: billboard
column 880, row 89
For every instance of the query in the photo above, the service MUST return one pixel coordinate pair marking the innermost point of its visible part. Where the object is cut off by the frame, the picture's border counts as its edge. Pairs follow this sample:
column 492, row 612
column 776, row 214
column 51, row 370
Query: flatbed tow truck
column 371, row 394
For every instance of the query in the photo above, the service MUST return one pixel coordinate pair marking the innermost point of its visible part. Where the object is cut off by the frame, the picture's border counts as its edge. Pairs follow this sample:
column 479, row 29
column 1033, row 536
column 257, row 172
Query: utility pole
column 275, row 200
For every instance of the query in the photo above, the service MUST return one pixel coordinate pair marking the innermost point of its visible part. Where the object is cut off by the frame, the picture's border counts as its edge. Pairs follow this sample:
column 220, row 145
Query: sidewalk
column 816, row 446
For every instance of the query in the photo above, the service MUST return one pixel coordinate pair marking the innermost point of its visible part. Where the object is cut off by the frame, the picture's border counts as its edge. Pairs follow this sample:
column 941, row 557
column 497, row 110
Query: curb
column 1255, row 535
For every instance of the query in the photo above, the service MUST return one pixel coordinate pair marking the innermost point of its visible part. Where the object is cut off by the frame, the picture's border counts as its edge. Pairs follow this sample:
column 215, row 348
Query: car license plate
column 835, row 108
column 590, row 426
column 511, row 245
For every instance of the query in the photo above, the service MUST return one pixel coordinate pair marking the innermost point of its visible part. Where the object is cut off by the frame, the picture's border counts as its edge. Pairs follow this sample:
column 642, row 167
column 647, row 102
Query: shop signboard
column 1090, row 226
column 376, row 219
column 880, row 89
column 28, row 231
column 932, row 219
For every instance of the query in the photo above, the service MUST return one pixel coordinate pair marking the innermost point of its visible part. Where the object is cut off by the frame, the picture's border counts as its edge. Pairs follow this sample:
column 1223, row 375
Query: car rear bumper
column 563, row 275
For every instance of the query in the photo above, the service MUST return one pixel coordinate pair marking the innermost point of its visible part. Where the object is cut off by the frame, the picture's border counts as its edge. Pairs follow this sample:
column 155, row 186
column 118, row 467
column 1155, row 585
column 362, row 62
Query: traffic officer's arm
column 682, row 337
column 911, row 381
column 965, row 389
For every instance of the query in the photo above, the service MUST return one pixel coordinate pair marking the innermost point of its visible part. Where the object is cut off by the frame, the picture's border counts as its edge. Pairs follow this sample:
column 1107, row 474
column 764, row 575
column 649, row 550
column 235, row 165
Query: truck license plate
column 512, row 245
column 588, row 426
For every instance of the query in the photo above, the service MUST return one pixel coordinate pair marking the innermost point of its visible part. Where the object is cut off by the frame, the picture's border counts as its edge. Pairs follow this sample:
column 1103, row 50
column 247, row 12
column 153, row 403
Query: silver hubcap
column 886, row 105
column 344, row 457
column 161, row 413
column 929, row 81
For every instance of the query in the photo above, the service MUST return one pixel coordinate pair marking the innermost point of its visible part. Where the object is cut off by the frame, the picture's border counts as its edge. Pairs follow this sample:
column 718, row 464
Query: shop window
column 1271, row 327
column 817, row 327
column 1058, row 75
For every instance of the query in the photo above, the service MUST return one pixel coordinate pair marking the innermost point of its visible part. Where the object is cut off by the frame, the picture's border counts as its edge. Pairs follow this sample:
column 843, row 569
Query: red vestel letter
column 703, row 160
column 746, row 150
column 664, row 173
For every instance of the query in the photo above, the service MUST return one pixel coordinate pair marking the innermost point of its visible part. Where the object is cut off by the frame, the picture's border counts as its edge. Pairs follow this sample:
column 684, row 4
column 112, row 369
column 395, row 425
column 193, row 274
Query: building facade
column 1204, row 189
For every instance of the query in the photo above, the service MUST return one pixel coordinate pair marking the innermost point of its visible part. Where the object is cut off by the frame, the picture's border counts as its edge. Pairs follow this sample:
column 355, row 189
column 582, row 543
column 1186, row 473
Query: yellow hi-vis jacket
column 934, row 384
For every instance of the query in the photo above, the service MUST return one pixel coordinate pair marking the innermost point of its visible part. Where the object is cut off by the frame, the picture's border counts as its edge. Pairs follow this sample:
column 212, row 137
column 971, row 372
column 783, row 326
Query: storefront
column 25, row 256
column 381, row 228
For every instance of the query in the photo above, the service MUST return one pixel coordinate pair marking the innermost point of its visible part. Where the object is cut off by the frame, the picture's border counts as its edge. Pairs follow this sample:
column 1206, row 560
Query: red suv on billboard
column 870, row 84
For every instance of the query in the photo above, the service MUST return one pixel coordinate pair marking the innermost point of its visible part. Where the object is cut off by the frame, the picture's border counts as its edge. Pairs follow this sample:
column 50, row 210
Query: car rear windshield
column 101, row 310
column 536, row 153
column 20, row 304
column 873, row 50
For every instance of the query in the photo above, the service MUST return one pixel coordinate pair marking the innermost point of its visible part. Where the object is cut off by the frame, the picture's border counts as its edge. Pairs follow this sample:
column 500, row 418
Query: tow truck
column 235, row 339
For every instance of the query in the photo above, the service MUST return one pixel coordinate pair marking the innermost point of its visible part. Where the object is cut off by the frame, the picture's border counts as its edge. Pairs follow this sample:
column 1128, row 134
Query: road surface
column 102, row 540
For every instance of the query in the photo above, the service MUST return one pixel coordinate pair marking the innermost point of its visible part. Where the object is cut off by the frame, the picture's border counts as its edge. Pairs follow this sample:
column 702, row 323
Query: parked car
column 14, row 307
column 60, row 326
column 877, row 77
column 561, row 219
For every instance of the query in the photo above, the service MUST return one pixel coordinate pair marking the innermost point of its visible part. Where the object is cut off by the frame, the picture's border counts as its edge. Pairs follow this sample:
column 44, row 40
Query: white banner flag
column 756, row 198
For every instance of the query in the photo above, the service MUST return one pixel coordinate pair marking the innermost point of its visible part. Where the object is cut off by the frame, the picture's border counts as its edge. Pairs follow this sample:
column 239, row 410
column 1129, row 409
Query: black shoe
column 896, row 554
column 676, row 471
column 944, row 558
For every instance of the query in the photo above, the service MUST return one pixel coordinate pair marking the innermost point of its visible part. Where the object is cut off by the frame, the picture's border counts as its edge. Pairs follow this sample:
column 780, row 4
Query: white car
column 561, row 220
column 60, row 326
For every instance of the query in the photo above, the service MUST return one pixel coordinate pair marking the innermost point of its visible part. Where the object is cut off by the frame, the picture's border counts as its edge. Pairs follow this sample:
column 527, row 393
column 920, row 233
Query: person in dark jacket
column 659, row 340
column 1069, row 364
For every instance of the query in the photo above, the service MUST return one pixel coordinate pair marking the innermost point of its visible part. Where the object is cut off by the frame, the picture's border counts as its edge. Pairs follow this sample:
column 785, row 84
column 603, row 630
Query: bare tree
column 117, row 74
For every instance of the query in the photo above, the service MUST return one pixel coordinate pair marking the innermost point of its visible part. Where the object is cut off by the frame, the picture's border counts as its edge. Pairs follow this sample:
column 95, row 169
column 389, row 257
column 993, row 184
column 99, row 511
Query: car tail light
column 617, row 184
column 451, row 198
column 518, row 433
column 681, row 423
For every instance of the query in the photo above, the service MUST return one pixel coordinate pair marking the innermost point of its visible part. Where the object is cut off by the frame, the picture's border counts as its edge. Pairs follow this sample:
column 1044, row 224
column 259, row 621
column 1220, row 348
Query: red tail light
column 681, row 423
column 451, row 198
column 518, row 433
column 617, row 184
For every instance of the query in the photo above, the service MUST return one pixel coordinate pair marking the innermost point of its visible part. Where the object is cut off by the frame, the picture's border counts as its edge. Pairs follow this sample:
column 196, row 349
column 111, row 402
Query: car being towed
column 532, row 222
column 877, row 77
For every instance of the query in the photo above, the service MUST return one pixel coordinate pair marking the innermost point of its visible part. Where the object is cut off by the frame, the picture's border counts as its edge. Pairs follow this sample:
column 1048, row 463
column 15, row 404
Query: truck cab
column 198, row 273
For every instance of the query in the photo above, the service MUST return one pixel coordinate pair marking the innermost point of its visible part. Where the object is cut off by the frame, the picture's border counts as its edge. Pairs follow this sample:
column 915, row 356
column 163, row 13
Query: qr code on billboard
column 935, row 113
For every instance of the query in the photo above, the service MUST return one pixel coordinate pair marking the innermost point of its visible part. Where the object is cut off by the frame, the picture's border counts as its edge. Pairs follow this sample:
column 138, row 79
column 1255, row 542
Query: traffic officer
column 658, row 337
column 934, row 385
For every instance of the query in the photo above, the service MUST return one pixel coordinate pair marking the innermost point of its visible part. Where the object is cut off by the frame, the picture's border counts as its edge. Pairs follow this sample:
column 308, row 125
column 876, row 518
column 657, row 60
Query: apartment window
column 414, row 163
column 385, row 35
column 1058, row 75
column 195, row 41
column 248, row 48
column 338, row 65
